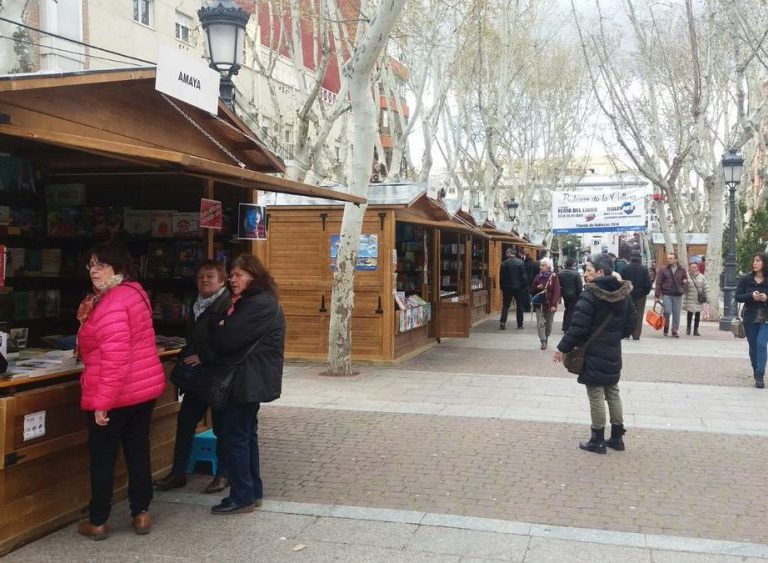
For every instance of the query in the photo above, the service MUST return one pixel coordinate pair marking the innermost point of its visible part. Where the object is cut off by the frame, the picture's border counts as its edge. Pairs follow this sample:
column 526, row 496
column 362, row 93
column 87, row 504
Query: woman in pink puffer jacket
column 120, row 382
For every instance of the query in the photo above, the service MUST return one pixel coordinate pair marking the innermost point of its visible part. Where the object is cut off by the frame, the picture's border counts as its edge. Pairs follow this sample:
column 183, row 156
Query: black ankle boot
column 615, row 441
column 596, row 442
column 688, row 331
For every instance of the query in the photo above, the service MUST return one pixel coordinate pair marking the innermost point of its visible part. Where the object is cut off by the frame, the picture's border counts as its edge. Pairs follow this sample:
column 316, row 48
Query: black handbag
column 186, row 378
column 217, row 383
column 574, row 360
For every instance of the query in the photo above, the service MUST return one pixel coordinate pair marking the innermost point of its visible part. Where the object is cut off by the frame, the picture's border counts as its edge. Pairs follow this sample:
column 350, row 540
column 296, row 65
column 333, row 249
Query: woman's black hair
column 116, row 255
column 764, row 258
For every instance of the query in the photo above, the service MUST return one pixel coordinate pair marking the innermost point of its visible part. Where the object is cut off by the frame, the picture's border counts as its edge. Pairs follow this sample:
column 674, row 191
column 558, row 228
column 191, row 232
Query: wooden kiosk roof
column 409, row 201
column 119, row 117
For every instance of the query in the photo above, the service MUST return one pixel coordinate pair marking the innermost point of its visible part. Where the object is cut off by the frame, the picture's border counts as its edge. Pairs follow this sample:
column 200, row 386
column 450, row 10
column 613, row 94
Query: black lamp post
column 512, row 210
column 224, row 24
column 733, row 166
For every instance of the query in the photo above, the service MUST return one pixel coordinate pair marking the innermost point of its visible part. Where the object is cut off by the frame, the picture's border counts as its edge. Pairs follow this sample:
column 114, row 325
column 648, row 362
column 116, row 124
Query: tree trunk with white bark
column 357, row 72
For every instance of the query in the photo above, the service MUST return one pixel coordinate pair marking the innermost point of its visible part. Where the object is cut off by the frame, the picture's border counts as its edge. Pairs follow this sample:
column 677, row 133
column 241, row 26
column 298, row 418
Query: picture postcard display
column 251, row 222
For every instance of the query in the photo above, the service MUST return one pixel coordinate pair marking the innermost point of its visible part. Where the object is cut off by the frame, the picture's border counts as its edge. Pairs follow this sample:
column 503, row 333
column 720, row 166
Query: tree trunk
column 357, row 72
column 715, row 243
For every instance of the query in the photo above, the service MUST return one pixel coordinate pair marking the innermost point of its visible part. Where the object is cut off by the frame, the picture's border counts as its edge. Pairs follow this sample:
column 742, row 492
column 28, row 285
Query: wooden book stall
column 87, row 157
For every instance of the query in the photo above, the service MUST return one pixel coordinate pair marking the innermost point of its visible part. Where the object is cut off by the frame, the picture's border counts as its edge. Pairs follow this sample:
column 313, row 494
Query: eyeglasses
column 98, row 266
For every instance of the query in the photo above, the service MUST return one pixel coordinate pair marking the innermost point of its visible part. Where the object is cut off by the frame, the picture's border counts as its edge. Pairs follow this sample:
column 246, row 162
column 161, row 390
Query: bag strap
column 252, row 347
column 599, row 330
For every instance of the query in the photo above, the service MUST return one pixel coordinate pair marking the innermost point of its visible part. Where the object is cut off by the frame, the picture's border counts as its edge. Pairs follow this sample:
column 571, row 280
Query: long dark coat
column 199, row 330
column 602, row 360
column 257, row 316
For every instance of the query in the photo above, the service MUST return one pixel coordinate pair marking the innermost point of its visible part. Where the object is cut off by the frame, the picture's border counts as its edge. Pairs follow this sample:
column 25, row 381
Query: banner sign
column 188, row 79
column 598, row 210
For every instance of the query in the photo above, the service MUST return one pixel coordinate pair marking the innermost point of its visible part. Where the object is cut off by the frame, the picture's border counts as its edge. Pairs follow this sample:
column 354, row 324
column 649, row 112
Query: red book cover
column 211, row 216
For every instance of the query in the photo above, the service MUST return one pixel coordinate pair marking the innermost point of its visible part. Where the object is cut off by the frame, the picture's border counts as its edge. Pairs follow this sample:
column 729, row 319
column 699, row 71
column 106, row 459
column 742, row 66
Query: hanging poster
column 598, row 210
column 367, row 252
column 211, row 215
column 252, row 222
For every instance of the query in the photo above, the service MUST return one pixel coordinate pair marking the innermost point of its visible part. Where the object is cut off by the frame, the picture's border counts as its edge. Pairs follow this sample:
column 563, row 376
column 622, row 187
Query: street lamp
column 733, row 166
column 224, row 24
column 512, row 210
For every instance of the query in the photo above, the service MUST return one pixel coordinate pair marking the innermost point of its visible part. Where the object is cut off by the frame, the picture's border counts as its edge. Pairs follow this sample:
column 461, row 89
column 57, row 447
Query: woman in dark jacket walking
column 545, row 290
column 753, row 292
column 208, row 309
column 603, row 297
column 254, row 327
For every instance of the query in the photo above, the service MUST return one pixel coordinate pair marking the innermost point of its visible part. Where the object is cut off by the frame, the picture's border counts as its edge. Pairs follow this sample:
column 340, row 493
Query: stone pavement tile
column 674, row 483
column 683, row 557
column 447, row 358
column 541, row 550
column 469, row 543
column 366, row 532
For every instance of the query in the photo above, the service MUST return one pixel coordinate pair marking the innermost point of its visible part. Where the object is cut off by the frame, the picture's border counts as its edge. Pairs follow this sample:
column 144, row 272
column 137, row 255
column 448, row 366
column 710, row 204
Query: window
column 183, row 27
column 142, row 11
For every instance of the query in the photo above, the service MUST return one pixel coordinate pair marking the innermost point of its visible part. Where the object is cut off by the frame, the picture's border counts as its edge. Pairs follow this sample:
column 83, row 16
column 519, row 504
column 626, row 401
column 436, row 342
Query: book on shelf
column 50, row 261
column 52, row 303
column 162, row 223
column 104, row 222
column 34, row 261
column 186, row 225
column 400, row 300
column 187, row 255
column 5, row 215
column 159, row 260
column 137, row 222
column 15, row 258
column 2, row 265
column 65, row 221
column 60, row 195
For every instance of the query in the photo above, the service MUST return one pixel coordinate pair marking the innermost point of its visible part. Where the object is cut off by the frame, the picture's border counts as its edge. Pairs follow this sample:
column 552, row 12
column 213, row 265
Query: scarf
column 202, row 303
column 235, row 299
column 88, row 304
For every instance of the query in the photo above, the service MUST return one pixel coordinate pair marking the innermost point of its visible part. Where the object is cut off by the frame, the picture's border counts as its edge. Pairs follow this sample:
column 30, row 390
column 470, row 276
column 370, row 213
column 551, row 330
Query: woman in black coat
column 211, row 305
column 604, row 296
column 753, row 292
column 253, row 332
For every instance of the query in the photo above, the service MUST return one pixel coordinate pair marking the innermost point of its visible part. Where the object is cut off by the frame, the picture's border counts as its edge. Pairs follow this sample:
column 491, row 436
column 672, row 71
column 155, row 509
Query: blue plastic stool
column 203, row 449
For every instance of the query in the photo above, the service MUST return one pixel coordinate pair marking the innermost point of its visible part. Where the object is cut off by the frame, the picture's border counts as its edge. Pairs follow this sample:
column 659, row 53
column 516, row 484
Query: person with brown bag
column 696, row 294
column 605, row 306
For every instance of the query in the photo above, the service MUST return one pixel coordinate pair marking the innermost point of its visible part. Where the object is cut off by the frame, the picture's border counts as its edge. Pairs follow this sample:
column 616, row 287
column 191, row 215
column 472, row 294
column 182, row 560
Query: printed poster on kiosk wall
column 598, row 210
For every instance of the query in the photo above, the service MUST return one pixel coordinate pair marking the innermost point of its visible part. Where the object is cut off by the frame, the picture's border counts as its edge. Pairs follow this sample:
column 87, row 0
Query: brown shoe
column 96, row 533
column 170, row 481
column 142, row 523
column 217, row 485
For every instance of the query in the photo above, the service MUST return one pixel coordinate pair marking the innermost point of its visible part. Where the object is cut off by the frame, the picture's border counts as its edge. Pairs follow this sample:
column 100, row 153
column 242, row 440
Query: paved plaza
column 469, row 452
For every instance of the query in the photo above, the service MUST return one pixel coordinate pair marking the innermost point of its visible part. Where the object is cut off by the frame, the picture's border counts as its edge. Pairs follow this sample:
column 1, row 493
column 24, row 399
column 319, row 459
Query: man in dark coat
column 640, row 277
column 513, row 281
column 604, row 299
column 671, row 282
column 570, row 289
column 531, row 271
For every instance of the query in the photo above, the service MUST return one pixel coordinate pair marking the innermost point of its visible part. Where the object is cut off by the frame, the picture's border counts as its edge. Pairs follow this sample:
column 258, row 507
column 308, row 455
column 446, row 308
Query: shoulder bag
column 574, row 360
column 541, row 297
column 737, row 325
column 700, row 297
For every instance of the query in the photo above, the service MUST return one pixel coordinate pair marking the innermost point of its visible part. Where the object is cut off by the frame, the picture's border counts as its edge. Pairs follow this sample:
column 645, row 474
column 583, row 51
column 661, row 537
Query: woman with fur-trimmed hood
column 604, row 296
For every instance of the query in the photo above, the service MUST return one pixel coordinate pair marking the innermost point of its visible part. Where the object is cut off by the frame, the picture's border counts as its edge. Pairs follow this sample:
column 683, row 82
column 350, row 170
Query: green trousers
column 598, row 396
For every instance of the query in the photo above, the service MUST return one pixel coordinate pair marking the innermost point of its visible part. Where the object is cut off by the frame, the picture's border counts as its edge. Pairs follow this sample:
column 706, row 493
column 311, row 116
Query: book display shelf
column 48, row 225
column 452, row 267
column 413, row 307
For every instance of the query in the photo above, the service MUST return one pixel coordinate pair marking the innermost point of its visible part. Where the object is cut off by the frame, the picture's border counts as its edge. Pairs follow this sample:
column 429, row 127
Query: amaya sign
column 188, row 79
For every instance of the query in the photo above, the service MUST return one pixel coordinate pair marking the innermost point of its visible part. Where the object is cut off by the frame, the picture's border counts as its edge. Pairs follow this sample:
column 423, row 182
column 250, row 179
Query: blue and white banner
column 598, row 210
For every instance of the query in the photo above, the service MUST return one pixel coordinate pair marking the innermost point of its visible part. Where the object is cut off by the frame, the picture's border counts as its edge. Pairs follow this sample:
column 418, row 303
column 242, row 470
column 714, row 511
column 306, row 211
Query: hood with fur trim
column 609, row 289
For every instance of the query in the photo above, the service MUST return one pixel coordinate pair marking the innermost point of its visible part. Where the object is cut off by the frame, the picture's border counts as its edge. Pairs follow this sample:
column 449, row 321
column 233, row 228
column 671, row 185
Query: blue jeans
column 757, row 336
column 191, row 412
column 238, row 426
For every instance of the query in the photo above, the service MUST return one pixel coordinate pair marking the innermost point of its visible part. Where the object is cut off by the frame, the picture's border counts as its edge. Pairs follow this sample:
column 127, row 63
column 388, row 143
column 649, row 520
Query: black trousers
column 239, row 434
column 191, row 412
column 570, row 305
column 129, row 425
column 508, row 295
column 695, row 317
